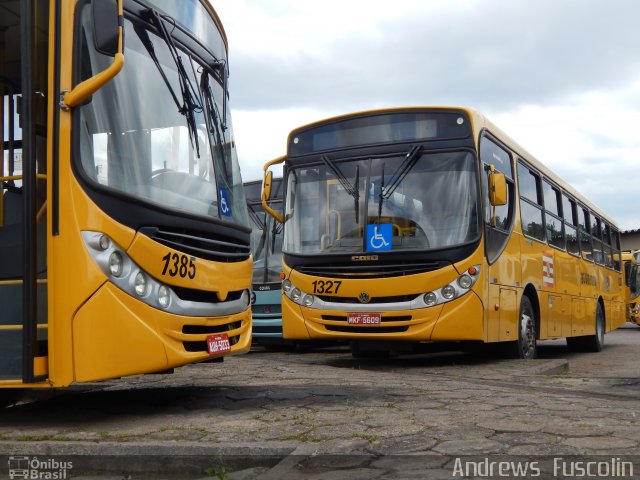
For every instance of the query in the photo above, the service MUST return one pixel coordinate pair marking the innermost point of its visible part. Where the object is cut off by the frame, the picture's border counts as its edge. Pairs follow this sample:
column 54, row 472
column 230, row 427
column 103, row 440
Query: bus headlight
column 465, row 281
column 164, row 298
column 140, row 284
column 299, row 296
column 123, row 272
column 116, row 264
column 448, row 292
column 454, row 289
column 430, row 299
column 104, row 242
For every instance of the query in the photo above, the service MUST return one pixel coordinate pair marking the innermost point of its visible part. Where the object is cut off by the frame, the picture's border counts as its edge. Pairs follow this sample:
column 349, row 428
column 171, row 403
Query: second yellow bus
column 415, row 225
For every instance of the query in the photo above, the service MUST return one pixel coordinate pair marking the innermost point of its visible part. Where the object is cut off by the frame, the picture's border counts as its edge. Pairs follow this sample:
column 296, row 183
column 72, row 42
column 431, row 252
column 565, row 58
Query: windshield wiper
column 190, row 104
column 405, row 167
column 351, row 189
column 260, row 223
column 214, row 121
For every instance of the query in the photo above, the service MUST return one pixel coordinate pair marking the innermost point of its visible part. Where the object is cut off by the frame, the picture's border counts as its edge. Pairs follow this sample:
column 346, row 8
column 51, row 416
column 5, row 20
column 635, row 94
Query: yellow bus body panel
column 135, row 334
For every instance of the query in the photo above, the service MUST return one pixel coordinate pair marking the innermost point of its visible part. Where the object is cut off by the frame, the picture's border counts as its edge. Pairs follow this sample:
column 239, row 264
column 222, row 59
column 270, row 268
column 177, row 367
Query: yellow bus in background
column 630, row 261
column 416, row 225
column 124, row 233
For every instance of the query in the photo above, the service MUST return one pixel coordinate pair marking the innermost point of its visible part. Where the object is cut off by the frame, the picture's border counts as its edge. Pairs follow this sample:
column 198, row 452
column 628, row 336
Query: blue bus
column 266, row 246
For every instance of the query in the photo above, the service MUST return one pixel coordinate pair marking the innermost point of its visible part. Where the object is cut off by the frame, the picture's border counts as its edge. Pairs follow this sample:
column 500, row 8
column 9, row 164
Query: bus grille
column 346, row 328
column 267, row 329
column 394, row 299
column 399, row 269
column 203, row 245
column 386, row 318
column 204, row 296
column 201, row 346
column 353, row 329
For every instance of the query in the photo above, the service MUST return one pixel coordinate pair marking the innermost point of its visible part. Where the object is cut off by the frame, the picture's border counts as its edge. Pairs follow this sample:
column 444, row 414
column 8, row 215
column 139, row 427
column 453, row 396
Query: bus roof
column 479, row 123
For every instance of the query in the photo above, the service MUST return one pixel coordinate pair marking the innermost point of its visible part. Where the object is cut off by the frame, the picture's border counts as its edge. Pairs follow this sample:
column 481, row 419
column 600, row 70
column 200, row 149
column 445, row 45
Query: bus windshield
column 427, row 201
column 266, row 234
column 634, row 281
column 266, row 245
column 158, row 131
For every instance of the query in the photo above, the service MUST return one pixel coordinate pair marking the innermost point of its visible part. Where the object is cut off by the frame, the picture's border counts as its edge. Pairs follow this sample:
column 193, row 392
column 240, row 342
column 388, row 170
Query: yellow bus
column 414, row 225
column 630, row 261
column 124, row 234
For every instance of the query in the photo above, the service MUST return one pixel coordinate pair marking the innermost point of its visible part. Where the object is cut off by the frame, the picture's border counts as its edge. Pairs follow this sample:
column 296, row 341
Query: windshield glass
column 156, row 131
column 413, row 201
column 266, row 233
column 266, row 246
column 634, row 281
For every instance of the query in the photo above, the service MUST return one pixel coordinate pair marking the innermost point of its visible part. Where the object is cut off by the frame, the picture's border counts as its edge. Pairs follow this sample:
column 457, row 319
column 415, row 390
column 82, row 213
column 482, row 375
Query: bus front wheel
column 590, row 343
column 525, row 347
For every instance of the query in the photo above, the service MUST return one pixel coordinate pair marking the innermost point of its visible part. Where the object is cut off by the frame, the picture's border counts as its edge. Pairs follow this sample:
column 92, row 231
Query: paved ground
column 325, row 415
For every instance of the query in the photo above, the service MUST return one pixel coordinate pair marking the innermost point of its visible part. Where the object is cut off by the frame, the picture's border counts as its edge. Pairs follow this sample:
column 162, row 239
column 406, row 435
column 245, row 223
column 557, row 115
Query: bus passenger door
column 24, row 37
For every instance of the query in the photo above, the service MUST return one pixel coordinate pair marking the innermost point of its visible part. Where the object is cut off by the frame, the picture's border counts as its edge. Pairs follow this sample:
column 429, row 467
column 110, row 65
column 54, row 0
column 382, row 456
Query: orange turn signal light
column 472, row 270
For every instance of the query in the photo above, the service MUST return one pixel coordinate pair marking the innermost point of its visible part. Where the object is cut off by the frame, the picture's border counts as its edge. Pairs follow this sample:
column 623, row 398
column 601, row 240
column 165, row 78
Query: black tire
column 525, row 347
column 590, row 343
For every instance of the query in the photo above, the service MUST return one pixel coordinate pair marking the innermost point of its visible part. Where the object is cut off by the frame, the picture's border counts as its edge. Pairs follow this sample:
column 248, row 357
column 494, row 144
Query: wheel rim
column 527, row 333
column 599, row 326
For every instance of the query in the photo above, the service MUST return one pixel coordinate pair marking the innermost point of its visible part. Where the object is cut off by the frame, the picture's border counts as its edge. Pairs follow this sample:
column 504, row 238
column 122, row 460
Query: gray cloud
column 493, row 55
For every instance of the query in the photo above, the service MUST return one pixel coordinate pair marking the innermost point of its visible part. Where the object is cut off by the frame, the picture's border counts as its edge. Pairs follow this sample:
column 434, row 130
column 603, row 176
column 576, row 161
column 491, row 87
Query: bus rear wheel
column 526, row 346
column 590, row 343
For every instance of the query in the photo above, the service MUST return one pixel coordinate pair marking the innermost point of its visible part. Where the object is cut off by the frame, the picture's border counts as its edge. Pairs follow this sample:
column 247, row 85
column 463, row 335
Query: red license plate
column 364, row 318
column 217, row 344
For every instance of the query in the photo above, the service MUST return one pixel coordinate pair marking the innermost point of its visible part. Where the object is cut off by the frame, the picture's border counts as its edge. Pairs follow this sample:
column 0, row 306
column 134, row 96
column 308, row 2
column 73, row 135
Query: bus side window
column 606, row 243
column 585, row 238
column 530, row 203
column 552, row 205
column 496, row 235
column 615, row 248
column 570, row 223
column 596, row 233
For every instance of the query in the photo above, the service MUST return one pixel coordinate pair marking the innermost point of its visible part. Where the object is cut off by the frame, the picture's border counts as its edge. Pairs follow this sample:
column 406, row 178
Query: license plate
column 217, row 344
column 364, row 318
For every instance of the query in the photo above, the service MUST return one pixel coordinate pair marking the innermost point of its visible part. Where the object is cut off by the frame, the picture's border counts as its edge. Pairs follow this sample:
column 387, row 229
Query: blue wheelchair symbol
column 379, row 237
column 225, row 205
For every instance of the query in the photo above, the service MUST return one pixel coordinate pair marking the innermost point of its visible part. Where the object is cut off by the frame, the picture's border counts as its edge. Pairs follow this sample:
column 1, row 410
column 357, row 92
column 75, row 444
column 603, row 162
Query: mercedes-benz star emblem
column 364, row 297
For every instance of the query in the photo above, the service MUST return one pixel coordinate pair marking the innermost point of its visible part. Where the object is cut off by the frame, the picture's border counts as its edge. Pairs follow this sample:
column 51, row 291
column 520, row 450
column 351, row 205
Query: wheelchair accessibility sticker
column 225, row 206
column 379, row 237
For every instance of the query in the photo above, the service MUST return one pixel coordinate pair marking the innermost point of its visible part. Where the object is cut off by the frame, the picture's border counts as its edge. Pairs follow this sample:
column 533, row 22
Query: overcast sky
column 562, row 77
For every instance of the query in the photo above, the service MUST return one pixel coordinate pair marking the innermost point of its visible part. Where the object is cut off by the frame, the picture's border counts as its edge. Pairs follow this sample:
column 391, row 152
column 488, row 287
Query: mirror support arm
column 85, row 89
column 266, row 189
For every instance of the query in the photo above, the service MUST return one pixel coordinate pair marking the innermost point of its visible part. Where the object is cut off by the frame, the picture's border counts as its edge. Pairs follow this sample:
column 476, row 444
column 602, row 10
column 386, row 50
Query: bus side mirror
column 497, row 189
column 105, row 26
column 103, row 13
column 266, row 188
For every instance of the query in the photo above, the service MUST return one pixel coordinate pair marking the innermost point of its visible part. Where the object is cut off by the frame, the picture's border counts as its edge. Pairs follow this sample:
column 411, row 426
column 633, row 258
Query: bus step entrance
column 11, row 329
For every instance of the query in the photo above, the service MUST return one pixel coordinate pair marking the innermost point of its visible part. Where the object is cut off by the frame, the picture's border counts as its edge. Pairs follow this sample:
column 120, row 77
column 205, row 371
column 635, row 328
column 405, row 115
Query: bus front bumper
column 457, row 320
